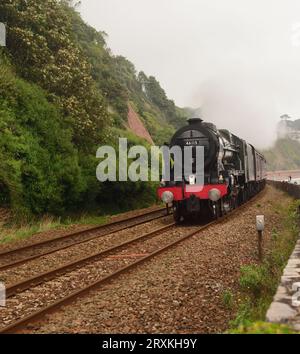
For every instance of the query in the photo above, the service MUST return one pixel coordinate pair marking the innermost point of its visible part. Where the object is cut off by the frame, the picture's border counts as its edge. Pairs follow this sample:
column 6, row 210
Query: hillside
column 284, row 155
column 117, row 79
column 62, row 95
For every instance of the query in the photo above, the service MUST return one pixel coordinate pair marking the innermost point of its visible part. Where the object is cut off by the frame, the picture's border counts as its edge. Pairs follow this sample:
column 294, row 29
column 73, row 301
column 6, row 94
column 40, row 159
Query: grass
column 14, row 231
column 258, row 282
column 264, row 328
column 21, row 228
column 19, row 231
column 87, row 220
column 228, row 299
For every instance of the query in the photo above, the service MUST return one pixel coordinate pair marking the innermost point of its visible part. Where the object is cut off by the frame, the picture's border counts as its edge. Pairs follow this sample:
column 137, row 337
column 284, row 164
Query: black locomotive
column 234, row 171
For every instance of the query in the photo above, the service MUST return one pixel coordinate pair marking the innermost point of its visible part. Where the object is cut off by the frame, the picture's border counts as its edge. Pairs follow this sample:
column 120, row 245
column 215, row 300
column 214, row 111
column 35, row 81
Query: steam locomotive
column 234, row 171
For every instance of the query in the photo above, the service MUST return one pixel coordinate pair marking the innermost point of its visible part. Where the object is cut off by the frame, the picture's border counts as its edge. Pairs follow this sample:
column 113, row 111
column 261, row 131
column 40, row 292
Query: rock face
column 136, row 125
column 286, row 305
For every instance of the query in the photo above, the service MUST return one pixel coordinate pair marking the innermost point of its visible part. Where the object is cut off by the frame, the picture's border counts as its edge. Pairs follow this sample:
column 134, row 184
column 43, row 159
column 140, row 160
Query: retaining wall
column 285, row 307
column 292, row 189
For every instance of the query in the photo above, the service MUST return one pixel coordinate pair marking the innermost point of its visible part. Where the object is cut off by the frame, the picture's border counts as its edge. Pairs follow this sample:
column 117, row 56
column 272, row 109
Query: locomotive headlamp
column 214, row 195
column 167, row 197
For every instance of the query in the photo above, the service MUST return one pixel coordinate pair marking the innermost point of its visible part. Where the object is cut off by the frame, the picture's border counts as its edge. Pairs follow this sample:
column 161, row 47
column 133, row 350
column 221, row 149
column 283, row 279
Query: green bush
column 62, row 95
column 39, row 164
column 253, row 279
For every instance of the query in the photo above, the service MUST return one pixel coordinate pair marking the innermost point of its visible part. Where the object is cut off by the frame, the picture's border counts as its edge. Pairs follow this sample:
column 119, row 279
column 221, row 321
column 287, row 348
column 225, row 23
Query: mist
column 239, row 61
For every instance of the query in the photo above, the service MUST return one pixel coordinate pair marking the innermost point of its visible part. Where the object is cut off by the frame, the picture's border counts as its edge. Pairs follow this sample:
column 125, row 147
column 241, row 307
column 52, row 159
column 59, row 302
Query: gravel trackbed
column 180, row 291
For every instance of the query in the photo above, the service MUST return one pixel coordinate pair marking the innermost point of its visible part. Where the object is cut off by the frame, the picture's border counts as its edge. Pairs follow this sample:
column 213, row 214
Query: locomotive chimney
column 192, row 121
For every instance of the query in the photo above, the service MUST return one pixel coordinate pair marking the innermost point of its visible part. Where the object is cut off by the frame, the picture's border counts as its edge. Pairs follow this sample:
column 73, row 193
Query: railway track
column 89, row 273
column 20, row 255
column 23, row 285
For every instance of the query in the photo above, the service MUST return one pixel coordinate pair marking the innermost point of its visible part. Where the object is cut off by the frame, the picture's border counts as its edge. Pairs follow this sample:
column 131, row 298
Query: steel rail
column 60, row 248
column 20, row 323
column 23, row 285
column 71, row 297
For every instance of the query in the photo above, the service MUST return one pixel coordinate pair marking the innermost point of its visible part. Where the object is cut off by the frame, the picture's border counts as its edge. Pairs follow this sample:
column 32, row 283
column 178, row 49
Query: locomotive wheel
column 244, row 196
column 168, row 209
column 218, row 209
column 234, row 203
column 241, row 197
column 215, row 211
column 176, row 214
column 221, row 208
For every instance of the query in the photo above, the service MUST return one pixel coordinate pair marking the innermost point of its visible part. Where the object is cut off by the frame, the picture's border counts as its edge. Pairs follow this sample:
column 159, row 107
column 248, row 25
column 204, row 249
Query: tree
column 41, row 44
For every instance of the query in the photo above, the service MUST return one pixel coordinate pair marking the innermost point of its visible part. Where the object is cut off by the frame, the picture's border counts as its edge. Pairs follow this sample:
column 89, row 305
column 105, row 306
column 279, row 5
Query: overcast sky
column 239, row 60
